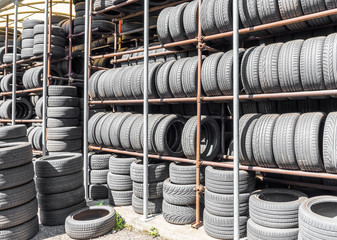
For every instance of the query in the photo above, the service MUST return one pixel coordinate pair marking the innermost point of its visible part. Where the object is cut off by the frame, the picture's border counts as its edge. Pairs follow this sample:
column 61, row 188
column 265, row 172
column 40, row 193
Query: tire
column 175, row 78
column 64, row 133
column 99, row 161
column 157, row 171
column 154, row 205
column 189, row 77
column 28, row 43
column 308, row 141
column 311, row 64
column 120, row 198
column 12, row 132
column 99, row 191
column 222, row 204
column 55, row 166
column 58, row 217
column 163, row 30
column 329, row 62
column 63, row 101
column 162, row 79
column 92, row 123
column 61, row 200
column 269, row 12
column 178, row 214
column 329, row 148
column 221, row 181
column 209, row 74
column 27, row 34
column 98, row 176
column 55, row 40
column 57, row 51
column 330, row 4
column 23, row 231
column 255, row 231
column 276, row 208
column 207, row 18
column 116, row 128
column 64, row 146
column 120, row 165
column 102, row 221
column 16, row 176
column 155, row 190
column 15, row 154
column 309, row 7
column 27, row 53
column 69, row 91
column 292, row 9
column 268, row 68
column 59, row 122
column 189, row 133
column 136, row 131
column 56, row 30
column 190, row 19
column 263, row 144
column 177, row 194
column 119, row 182
column 223, row 227
column 63, row 112
column 52, row 185
column 181, row 173
column 124, row 134
column 30, row 23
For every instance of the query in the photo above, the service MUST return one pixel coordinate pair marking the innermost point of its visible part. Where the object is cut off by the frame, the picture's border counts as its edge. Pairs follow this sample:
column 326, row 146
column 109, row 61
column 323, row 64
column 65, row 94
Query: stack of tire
column 59, row 182
column 58, row 41
column 99, row 168
column 32, row 78
column 34, row 134
column 119, row 180
column 28, row 37
column 274, row 214
column 63, row 134
column 317, row 218
column 157, row 173
column 18, row 204
column 219, row 200
column 179, row 195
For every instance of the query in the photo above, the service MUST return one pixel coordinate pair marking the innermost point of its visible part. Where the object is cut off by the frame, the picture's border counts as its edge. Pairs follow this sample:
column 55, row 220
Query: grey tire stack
column 18, row 204
column 158, row 172
column 63, row 134
column 119, row 180
column 28, row 37
column 99, row 168
column 274, row 214
column 59, row 181
column 219, row 213
column 179, row 195
column 317, row 218
column 34, row 134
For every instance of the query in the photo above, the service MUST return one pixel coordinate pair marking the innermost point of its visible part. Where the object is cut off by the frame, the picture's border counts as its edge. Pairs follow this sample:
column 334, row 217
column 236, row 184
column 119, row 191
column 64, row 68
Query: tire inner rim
column 92, row 214
column 278, row 197
column 326, row 209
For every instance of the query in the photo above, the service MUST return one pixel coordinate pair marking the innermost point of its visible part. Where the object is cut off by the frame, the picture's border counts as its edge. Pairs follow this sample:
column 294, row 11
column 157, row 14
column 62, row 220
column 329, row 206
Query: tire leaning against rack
column 162, row 79
column 292, row 9
column 223, row 15
column 125, row 132
column 209, row 74
column 207, row 18
column 330, row 61
column 163, row 30
column 309, row 7
column 175, row 78
column 329, row 148
column 189, row 77
column 190, row 19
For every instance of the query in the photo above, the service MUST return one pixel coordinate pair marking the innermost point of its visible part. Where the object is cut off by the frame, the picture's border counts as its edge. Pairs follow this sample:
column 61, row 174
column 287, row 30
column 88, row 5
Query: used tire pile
column 18, row 204
column 34, row 135
column 317, row 218
column 6, row 82
column 28, row 37
column 63, row 134
column 59, row 182
column 274, row 214
column 24, row 109
column 219, row 213
column 119, row 180
column 32, row 78
column 99, row 167
column 289, row 141
column 158, row 172
column 179, row 195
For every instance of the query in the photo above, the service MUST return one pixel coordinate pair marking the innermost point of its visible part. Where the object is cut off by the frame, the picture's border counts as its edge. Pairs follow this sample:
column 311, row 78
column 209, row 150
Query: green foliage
column 128, row 227
column 100, row 203
column 153, row 232
column 120, row 222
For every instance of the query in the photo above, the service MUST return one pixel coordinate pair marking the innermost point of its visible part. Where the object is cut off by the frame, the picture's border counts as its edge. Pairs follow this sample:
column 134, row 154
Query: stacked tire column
column 179, row 195
column 119, row 181
column 18, row 204
column 59, row 181
column 219, row 202
column 158, row 172
column 99, row 168
column 28, row 37
column 63, row 134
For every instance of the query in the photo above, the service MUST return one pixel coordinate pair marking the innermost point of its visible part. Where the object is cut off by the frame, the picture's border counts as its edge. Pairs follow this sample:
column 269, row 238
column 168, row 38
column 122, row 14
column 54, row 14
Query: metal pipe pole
column 44, row 82
column 236, row 118
column 70, row 57
column 14, row 61
column 146, row 110
column 6, row 41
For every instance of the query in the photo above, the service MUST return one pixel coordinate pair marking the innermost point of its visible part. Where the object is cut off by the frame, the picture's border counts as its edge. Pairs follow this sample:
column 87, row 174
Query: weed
column 120, row 222
column 153, row 232
column 100, row 203
column 128, row 227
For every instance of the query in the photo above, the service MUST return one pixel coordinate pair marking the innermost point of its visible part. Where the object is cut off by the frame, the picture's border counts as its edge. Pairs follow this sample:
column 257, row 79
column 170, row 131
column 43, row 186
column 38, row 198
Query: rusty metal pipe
column 22, row 120
column 113, row 7
column 22, row 91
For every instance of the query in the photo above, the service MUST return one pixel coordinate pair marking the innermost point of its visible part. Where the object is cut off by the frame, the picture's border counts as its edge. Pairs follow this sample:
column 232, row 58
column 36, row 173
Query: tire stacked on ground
column 28, row 37
column 179, row 195
column 63, row 133
column 158, row 172
column 18, row 204
column 58, row 41
column 99, row 167
column 317, row 218
column 219, row 213
column 59, row 181
column 274, row 214
column 119, row 180
column 17, row 133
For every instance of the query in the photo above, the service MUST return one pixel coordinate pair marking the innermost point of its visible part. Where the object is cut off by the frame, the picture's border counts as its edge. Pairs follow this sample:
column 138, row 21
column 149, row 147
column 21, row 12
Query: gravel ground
column 58, row 232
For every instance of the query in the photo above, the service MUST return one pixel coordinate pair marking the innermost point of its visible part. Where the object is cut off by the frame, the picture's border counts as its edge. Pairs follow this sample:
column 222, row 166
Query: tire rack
column 201, row 45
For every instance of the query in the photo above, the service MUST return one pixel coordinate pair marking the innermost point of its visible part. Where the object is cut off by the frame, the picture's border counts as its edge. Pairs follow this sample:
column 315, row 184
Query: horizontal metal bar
column 22, row 120
column 22, row 91
column 140, row 101
column 22, row 61
column 114, row 7
column 37, row 152
column 136, row 30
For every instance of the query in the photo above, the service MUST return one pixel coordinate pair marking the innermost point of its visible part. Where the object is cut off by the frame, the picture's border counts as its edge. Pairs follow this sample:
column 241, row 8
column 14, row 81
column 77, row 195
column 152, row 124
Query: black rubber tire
column 95, row 226
column 209, row 74
column 99, row 161
column 120, row 198
column 57, row 51
column 329, row 148
column 55, row 40
column 64, row 133
column 92, row 123
column 64, row 101
column 58, row 217
column 331, row 4
column 15, row 154
column 308, row 141
column 120, row 165
column 181, row 173
column 23, row 231
column 27, row 34
column 175, row 78
column 64, row 145
column 190, row 76
column 61, row 200
column 98, row 176
column 157, row 171
column 52, row 185
column 125, row 132
column 180, row 215
column 190, row 19
column 263, row 140
column 162, row 79
column 118, row 182
column 154, row 205
column 56, row 30
column 155, row 190
column 136, row 131
column 13, row 177
column 309, row 7
column 329, row 61
column 114, row 131
column 12, row 132
column 178, row 194
column 207, row 18
column 27, row 43
column 163, row 30
column 98, row 191
column 292, row 9
column 221, row 181
column 208, row 152
column 63, row 112
column 30, row 23
column 70, row 91
column 59, row 122
column 55, row 166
